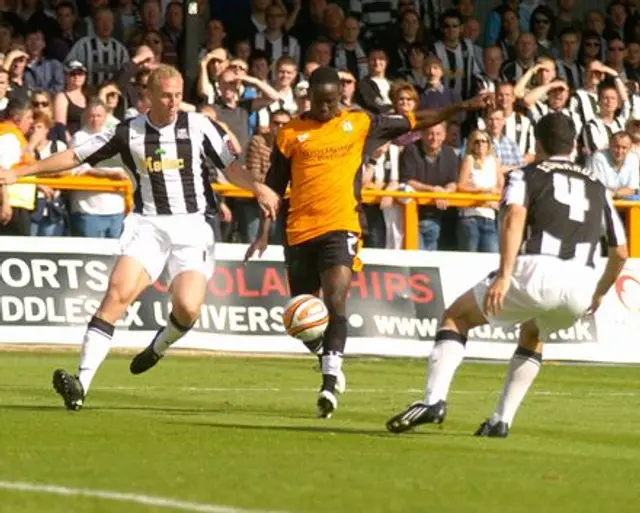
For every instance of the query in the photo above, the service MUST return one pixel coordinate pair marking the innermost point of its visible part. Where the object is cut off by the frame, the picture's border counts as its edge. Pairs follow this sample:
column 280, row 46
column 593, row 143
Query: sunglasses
column 112, row 95
column 77, row 73
column 40, row 104
column 481, row 141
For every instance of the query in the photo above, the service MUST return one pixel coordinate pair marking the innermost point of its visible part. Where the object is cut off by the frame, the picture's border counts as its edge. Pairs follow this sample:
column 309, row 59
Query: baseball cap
column 75, row 66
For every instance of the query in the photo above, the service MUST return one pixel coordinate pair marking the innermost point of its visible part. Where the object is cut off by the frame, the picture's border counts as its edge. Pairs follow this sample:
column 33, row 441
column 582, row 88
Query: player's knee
column 336, row 303
column 186, row 310
column 463, row 315
column 119, row 295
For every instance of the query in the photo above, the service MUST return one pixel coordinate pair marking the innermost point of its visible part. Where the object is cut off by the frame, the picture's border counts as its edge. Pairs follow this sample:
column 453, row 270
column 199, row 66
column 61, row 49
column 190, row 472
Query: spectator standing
column 618, row 167
column 372, row 92
column 428, row 166
column 247, row 213
column 349, row 54
column 49, row 217
column 41, row 72
column 69, row 105
column 102, row 54
column 17, row 200
column 97, row 214
column 479, row 173
column 456, row 54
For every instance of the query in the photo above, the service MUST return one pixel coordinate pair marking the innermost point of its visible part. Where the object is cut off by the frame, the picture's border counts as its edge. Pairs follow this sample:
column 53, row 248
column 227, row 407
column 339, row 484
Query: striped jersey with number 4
column 567, row 210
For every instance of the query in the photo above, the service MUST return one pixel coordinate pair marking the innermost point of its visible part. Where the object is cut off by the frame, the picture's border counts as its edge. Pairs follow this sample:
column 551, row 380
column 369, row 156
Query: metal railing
column 457, row 199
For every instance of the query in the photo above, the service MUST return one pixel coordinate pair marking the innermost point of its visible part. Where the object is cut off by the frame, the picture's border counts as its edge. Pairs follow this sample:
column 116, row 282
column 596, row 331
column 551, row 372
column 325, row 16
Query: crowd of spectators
column 67, row 75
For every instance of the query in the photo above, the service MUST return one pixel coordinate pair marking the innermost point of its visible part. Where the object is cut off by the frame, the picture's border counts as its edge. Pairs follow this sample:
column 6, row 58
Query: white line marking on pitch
column 354, row 390
column 146, row 500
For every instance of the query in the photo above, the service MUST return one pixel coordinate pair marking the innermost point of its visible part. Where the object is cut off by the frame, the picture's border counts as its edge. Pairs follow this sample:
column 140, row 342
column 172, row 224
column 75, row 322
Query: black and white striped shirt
column 354, row 60
column 596, row 134
column 103, row 59
column 585, row 104
column 167, row 164
column 375, row 15
column 541, row 109
column 512, row 71
column 276, row 48
column 572, row 73
column 570, row 205
column 459, row 65
column 519, row 129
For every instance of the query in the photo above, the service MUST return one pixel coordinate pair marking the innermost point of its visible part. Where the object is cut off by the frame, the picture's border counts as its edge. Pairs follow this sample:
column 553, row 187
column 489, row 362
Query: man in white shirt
column 618, row 167
column 97, row 214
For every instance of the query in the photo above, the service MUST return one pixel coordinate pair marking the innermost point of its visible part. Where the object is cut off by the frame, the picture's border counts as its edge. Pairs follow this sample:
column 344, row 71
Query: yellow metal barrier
column 87, row 183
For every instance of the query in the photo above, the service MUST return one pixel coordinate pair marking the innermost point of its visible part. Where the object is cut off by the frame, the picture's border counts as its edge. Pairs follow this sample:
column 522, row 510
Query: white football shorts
column 181, row 242
column 556, row 293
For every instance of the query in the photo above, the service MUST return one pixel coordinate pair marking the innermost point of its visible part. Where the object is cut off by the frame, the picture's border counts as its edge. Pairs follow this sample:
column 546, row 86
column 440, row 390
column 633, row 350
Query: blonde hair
column 472, row 140
column 162, row 72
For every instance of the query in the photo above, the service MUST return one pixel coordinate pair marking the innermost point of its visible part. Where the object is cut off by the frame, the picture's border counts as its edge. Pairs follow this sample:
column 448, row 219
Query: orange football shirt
column 322, row 165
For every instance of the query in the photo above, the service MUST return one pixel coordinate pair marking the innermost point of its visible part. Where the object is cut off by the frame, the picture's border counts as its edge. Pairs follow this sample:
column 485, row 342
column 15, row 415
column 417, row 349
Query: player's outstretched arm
column 268, row 200
column 57, row 163
column 429, row 117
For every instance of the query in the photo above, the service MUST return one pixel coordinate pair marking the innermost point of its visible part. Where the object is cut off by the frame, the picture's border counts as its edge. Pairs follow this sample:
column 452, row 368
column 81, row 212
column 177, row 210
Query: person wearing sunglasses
column 542, row 25
column 42, row 103
column 479, row 173
column 616, row 53
column 457, row 55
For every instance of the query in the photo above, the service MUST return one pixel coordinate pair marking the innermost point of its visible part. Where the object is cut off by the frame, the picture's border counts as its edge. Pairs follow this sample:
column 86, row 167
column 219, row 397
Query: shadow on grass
column 342, row 430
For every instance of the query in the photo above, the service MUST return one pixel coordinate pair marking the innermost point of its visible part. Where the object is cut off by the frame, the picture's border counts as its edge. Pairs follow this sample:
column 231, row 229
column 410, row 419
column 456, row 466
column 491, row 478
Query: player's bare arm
column 429, row 117
column 617, row 256
column 57, row 163
column 262, row 240
column 268, row 200
column 513, row 225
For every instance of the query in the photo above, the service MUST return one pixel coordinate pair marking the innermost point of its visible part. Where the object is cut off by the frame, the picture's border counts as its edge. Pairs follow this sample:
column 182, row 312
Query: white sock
column 444, row 360
column 523, row 369
column 169, row 335
column 95, row 347
column 331, row 364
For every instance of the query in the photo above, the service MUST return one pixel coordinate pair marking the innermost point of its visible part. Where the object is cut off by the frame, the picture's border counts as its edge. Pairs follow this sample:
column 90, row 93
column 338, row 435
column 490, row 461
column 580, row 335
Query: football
column 305, row 317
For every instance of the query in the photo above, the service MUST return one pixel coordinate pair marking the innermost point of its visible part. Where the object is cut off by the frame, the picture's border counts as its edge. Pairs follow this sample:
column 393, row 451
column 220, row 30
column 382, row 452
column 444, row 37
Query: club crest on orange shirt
column 347, row 127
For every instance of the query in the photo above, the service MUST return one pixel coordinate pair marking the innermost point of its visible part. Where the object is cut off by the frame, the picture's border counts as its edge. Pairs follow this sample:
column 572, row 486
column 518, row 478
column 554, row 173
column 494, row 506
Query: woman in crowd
column 49, row 218
column 479, row 173
column 69, row 105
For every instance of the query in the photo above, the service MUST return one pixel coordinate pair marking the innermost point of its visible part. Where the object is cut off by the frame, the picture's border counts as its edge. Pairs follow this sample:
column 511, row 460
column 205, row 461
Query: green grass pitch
column 241, row 433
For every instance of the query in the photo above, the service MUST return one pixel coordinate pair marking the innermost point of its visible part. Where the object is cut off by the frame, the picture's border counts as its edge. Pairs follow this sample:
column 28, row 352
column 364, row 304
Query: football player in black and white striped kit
column 545, row 284
column 164, row 152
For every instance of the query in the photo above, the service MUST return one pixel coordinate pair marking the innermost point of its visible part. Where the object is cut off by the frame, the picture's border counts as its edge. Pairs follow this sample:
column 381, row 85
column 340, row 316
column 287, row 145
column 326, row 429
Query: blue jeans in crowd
column 99, row 226
column 477, row 234
column 48, row 227
column 429, row 234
